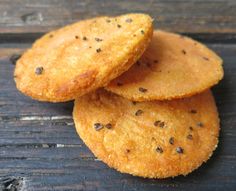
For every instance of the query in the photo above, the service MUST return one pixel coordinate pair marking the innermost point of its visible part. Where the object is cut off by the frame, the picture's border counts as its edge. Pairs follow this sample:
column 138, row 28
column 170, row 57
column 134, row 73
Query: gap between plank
column 226, row 38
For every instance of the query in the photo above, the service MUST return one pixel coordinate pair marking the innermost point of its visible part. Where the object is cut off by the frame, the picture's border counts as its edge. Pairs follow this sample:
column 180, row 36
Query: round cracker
column 173, row 66
column 81, row 57
column 155, row 139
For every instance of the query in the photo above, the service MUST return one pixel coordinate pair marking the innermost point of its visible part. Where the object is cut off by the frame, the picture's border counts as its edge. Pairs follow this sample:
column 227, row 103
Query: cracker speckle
column 180, row 150
column 39, row 70
column 143, row 90
column 108, row 125
column 190, row 137
column 129, row 20
column 127, row 150
column 98, row 39
column 159, row 150
column 162, row 124
column 171, row 140
column 156, row 123
column 98, row 50
column 139, row 112
column 98, row 126
column 205, row 58
column 200, row 124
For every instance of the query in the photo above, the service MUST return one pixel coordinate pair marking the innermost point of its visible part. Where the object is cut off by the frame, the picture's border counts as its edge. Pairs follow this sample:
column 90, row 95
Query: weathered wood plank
column 193, row 16
column 61, row 176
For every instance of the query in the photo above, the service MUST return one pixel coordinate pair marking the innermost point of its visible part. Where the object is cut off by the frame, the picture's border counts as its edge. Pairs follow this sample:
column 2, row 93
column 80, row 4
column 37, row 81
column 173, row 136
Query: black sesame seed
column 139, row 112
column 183, row 51
column 205, row 58
column 119, row 26
column 129, row 20
column 171, row 140
column 162, row 124
column 98, row 39
column 190, row 137
column 98, row 50
column 159, row 150
column 108, row 20
column 39, row 70
column 119, row 84
column 76, row 37
column 156, row 123
column 180, row 150
column 85, row 38
column 134, row 102
column 193, row 111
column 191, row 128
column 98, row 126
column 200, row 124
column 142, row 31
column 143, row 90
column 108, row 126
column 14, row 58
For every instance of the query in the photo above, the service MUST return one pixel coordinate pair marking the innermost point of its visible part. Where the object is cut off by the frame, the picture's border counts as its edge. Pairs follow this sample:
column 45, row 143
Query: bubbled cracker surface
column 173, row 66
column 130, row 145
column 83, row 56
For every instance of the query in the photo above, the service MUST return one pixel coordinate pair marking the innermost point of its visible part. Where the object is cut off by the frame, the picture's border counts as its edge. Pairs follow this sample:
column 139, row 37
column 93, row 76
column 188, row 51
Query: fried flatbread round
column 173, row 66
column 81, row 57
column 154, row 139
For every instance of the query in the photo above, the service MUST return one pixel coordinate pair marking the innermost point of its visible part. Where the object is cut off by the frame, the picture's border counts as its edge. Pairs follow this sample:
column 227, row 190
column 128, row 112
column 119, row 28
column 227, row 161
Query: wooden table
column 39, row 148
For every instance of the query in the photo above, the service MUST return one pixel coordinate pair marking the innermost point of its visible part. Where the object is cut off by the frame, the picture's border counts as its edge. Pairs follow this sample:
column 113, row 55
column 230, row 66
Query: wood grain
column 192, row 16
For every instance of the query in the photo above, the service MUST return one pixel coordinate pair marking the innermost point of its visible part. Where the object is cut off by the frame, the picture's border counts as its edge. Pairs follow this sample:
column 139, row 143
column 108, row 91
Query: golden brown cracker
column 71, row 61
column 155, row 139
column 173, row 66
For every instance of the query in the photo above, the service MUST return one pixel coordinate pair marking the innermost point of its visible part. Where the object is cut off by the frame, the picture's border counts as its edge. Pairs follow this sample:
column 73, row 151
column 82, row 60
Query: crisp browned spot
column 82, row 81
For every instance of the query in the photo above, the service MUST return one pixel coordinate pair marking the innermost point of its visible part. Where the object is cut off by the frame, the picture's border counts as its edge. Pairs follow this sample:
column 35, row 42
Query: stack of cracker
column 142, row 99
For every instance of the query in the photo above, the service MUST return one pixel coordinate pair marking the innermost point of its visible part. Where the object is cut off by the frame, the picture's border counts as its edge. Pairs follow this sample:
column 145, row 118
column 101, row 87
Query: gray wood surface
column 39, row 148
column 196, row 16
